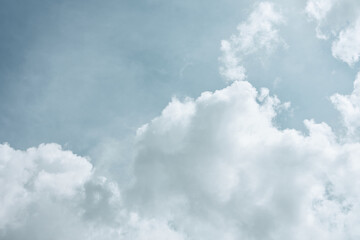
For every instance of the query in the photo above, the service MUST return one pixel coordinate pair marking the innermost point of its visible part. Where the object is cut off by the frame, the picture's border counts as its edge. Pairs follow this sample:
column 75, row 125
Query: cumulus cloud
column 35, row 173
column 50, row 193
column 257, row 33
column 223, row 171
column 214, row 167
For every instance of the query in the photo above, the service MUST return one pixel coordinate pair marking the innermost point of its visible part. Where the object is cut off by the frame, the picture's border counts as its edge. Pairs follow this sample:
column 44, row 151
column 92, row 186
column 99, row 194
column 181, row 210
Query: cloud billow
column 233, row 175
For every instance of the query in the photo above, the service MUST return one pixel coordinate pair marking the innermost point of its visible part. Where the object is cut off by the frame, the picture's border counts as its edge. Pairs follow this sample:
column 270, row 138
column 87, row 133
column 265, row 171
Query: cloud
column 340, row 20
column 36, row 173
column 257, row 33
column 213, row 167
column 317, row 10
column 347, row 46
column 224, row 171
column 349, row 107
column 50, row 193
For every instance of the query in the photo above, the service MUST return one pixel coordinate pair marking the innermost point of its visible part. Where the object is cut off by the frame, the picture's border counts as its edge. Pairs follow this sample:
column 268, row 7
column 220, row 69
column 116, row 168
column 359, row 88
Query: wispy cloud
column 317, row 10
column 257, row 33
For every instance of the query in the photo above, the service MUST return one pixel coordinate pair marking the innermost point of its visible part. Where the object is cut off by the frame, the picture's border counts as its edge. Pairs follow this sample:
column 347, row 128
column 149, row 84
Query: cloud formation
column 50, row 193
column 34, row 185
column 223, row 167
column 213, row 167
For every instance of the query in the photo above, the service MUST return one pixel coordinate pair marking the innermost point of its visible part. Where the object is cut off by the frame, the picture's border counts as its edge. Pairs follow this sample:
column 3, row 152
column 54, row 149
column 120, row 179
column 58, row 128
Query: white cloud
column 317, row 10
column 214, row 167
column 28, row 175
column 50, row 193
column 233, row 172
column 349, row 107
column 347, row 46
column 340, row 20
column 257, row 33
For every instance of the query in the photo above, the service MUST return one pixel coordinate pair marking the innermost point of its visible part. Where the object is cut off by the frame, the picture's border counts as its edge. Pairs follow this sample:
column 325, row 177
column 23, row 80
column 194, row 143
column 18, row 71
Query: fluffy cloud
column 49, row 193
column 257, row 33
column 222, row 170
column 46, row 171
column 214, row 167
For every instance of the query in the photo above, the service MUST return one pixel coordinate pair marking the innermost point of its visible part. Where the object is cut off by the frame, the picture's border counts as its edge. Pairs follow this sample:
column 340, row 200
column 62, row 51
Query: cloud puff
column 35, row 173
column 347, row 46
column 257, row 33
column 349, row 107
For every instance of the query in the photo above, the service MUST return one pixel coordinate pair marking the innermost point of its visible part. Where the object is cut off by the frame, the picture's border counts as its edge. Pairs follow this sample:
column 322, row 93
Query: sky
column 179, row 120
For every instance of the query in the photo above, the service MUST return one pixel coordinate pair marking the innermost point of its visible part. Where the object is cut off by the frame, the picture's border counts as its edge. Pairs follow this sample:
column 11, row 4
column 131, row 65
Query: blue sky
column 120, row 113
